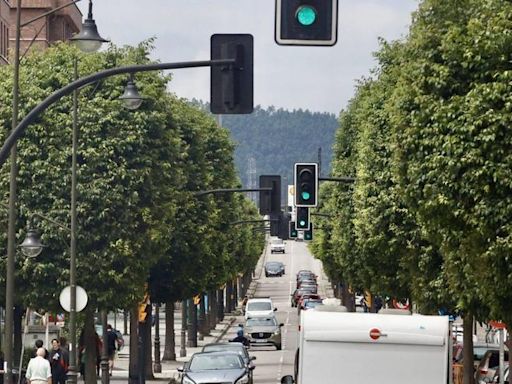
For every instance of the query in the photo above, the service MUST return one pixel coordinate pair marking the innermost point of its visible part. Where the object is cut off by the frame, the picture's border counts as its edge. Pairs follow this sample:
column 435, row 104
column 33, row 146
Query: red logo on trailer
column 375, row 333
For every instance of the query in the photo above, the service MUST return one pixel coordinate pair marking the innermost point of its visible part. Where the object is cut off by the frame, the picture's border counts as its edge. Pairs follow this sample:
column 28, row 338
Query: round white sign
column 65, row 298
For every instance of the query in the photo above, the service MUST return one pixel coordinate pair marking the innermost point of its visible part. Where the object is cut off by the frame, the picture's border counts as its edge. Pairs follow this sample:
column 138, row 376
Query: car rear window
column 259, row 306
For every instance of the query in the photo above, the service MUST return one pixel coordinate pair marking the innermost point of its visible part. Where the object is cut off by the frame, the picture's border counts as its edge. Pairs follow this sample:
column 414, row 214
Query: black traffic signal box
column 292, row 231
column 270, row 201
column 308, row 235
column 306, row 22
column 306, row 184
column 231, row 85
column 302, row 220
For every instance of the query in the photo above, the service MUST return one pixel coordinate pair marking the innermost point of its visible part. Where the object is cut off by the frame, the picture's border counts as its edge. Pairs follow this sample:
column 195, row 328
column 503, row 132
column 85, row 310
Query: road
column 271, row 365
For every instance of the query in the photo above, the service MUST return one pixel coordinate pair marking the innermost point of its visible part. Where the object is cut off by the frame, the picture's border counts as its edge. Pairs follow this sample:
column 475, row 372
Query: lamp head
column 32, row 245
column 88, row 40
column 131, row 97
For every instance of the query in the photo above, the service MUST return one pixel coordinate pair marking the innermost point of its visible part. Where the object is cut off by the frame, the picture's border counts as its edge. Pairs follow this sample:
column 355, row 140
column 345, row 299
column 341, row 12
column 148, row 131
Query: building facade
column 39, row 34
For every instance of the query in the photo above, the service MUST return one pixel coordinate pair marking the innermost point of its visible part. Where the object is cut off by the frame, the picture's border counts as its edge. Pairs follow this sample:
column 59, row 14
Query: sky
column 321, row 79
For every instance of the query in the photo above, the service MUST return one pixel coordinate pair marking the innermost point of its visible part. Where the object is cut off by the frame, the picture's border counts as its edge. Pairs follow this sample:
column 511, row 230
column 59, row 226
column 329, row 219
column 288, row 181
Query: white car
column 259, row 307
column 276, row 245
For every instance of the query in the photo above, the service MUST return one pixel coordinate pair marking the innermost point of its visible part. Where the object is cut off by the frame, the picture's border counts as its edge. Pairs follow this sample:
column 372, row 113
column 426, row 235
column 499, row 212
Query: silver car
column 215, row 367
column 263, row 331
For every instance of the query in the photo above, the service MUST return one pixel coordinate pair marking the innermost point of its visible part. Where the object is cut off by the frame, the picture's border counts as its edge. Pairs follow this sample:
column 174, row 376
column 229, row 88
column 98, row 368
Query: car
column 300, row 283
column 311, row 287
column 305, row 275
column 496, row 378
column 277, row 246
column 259, row 306
column 233, row 347
column 309, row 303
column 223, row 367
column 264, row 331
column 274, row 268
column 488, row 365
column 297, row 294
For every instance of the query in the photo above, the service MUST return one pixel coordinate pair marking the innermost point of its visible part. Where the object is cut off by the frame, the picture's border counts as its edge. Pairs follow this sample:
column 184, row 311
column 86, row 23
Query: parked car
column 277, row 246
column 264, row 331
column 274, row 268
column 234, row 347
column 259, row 307
column 488, row 366
column 215, row 367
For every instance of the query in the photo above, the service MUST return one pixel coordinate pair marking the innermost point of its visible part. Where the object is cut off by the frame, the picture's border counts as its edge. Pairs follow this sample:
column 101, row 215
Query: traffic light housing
column 306, row 22
column 292, row 231
column 306, row 184
column 308, row 235
column 302, row 220
column 270, row 201
column 231, row 85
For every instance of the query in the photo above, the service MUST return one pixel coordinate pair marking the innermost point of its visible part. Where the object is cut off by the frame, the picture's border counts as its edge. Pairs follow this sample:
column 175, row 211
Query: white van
column 259, row 307
column 350, row 347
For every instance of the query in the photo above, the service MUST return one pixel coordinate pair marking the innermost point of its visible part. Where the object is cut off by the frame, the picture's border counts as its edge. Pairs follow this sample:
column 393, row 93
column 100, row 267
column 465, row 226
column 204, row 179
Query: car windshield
column 259, row 306
column 206, row 362
column 261, row 321
column 274, row 266
column 225, row 347
column 276, row 242
column 312, row 304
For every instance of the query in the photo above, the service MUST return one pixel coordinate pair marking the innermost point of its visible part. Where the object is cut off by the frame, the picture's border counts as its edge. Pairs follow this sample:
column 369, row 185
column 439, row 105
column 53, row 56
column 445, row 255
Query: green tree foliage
column 426, row 136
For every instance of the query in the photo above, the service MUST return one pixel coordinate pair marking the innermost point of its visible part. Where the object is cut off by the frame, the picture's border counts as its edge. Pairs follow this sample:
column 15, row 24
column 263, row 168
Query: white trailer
column 346, row 347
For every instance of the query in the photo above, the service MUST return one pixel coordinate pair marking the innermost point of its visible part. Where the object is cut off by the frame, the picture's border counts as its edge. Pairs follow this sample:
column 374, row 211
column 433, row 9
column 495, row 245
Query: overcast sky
column 316, row 78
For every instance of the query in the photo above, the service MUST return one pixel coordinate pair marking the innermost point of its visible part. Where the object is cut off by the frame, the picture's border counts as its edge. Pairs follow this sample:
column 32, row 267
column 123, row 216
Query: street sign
column 65, row 298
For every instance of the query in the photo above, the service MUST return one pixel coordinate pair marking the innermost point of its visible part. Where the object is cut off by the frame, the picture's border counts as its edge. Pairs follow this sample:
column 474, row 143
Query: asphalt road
column 271, row 365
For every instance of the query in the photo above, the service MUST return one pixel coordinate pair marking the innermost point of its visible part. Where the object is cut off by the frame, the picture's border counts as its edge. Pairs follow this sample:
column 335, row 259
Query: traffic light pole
column 252, row 221
column 230, row 190
column 17, row 132
column 338, row 179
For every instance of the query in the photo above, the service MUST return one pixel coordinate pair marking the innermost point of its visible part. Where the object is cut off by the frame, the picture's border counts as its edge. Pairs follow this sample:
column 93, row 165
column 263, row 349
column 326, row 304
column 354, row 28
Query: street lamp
column 131, row 97
column 89, row 40
column 32, row 245
column 12, row 215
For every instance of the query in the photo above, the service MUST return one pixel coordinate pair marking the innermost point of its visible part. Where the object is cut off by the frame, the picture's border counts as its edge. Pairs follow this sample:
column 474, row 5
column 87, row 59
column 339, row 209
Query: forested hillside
column 278, row 138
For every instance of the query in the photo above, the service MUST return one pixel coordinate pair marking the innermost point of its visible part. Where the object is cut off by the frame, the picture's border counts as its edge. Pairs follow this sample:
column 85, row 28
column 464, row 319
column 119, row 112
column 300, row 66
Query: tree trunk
column 192, row 324
column 347, row 298
column 220, row 305
column 201, row 321
column 87, row 344
column 125, row 322
column 133, row 374
column 170, row 340
column 235, row 293
column 467, row 351
column 18, row 331
column 213, row 309
column 147, row 345
column 229, row 297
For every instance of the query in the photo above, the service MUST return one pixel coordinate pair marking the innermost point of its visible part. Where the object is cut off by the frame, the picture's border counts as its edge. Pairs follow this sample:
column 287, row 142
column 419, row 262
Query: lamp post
column 12, row 214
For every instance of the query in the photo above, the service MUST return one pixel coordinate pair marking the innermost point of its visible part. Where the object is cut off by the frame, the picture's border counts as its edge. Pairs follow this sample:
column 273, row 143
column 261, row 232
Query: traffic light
column 231, row 85
column 292, row 232
column 270, row 201
column 306, row 22
column 308, row 235
column 306, row 184
column 302, row 219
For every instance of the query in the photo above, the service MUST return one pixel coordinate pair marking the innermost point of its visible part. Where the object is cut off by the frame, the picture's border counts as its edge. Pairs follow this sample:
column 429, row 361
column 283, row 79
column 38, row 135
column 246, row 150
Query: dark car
column 233, row 347
column 297, row 294
column 274, row 268
column 309, row 303
column 305, row 282
column 215, row 368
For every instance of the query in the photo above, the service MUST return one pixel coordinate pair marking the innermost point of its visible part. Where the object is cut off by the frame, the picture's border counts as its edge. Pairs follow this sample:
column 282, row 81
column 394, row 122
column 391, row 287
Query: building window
column 4, row 39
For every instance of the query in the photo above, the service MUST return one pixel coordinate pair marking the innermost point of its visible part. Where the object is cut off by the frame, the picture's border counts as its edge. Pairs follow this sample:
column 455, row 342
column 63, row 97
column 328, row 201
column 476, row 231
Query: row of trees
column 427, row 137
column 139, row 222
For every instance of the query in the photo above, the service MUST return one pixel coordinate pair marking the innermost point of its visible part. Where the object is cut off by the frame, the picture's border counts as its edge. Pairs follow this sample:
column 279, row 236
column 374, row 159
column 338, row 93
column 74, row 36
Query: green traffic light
column 302, row 223
column 306, row 15
column 306, row 195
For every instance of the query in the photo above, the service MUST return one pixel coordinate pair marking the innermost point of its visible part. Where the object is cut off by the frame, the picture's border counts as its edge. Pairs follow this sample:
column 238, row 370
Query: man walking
column 59, row 361
column 38, row 370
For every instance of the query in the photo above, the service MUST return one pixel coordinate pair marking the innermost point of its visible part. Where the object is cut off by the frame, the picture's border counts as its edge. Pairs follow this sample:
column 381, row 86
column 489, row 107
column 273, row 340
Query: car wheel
column 278, row 347
column 266, row 274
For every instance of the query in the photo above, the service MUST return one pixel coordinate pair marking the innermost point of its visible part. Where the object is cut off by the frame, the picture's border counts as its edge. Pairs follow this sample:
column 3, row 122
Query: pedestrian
column 39, row 370
column 112, row 346
column 59, row 362
column 39, row 344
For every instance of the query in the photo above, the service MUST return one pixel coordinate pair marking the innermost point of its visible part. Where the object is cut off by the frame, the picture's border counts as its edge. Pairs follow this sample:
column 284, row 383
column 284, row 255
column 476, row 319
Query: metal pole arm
column 231, row 190
column 34, row 113
column 48, row 13
column 58, row 224
column 321, row 214
column 252, row 221
column 338, row 179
